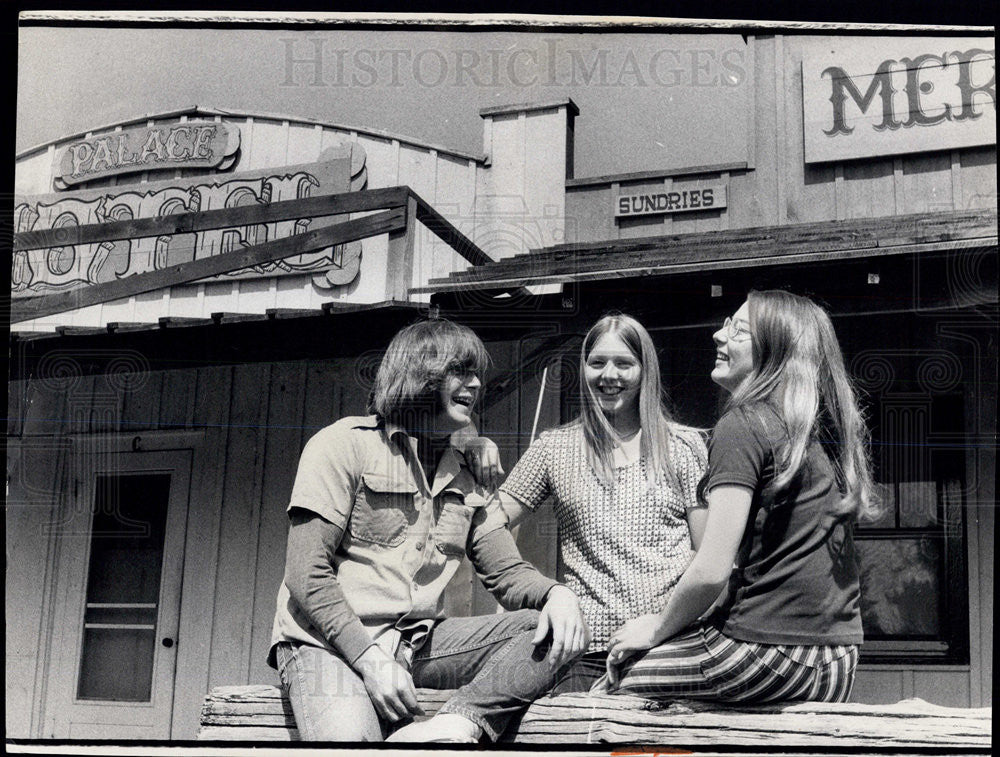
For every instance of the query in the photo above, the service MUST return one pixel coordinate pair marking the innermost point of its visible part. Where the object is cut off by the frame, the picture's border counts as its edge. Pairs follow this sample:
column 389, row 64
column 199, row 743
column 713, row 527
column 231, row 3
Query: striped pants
column 704, row 663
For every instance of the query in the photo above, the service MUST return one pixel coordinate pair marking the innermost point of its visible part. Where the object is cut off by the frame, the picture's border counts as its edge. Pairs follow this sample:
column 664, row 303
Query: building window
column 912, row 560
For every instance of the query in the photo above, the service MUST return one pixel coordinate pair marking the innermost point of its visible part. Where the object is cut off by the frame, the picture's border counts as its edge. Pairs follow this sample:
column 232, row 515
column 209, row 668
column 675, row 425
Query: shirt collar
column 392, row 428
column 449, row 466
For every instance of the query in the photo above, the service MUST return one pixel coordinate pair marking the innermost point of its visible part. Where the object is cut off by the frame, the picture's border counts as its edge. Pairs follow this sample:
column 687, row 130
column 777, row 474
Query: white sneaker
column 444, row 727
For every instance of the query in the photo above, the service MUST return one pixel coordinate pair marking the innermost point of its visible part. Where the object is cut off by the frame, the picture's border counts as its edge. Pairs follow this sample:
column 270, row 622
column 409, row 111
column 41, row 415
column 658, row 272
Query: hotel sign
column 874, row 97
column 193, row 144
column 340, row 168
column 677, row 199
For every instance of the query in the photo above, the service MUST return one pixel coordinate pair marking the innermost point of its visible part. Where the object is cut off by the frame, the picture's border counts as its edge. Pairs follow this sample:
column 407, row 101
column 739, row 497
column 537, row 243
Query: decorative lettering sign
column 60, row 268
column 873, row 97
column 677, row 199
column 193, row 144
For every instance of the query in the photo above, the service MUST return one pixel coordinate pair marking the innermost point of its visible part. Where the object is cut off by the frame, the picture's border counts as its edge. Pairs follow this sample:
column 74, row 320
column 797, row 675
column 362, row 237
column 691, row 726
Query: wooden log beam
column 455, row 239
column 618, row 719
column 380, row 223
column 246, row 713
column 309, row 207
column 262, row 713
column 447, row 233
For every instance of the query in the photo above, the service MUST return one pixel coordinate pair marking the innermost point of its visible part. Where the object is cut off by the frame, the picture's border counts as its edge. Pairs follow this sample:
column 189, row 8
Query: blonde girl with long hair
column 622, row 478
column 788, row 475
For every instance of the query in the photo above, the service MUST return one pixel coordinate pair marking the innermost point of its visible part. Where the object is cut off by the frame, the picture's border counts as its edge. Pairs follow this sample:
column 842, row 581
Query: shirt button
column 420, row 545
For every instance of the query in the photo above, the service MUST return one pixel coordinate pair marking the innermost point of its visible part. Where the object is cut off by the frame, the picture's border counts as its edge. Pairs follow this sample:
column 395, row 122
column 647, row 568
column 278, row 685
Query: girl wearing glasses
column 788, row 474
column 623, row 480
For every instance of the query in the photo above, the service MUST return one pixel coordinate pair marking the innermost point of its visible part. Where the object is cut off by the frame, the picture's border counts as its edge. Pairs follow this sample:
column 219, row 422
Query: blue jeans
column 489, row 659
column 580, row 674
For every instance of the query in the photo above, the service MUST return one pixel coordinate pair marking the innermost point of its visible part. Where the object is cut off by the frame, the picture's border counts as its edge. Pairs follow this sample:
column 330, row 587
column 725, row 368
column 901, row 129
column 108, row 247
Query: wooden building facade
column 153, row 437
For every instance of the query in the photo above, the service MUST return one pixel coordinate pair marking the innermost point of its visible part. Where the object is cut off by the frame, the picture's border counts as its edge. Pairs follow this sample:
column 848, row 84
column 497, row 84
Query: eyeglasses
column 736, row 329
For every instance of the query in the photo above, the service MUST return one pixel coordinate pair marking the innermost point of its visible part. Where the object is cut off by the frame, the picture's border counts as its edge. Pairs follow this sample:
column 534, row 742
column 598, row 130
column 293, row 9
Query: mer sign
column 889, row 96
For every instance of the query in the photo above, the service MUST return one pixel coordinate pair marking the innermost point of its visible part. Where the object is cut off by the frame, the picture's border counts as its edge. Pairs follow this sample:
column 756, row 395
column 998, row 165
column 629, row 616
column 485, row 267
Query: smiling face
column 733, row 351
column 613, row 376
column 456, row 398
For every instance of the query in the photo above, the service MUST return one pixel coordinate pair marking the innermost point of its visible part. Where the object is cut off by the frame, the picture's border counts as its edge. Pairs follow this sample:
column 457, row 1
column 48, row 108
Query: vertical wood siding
column 783, row 189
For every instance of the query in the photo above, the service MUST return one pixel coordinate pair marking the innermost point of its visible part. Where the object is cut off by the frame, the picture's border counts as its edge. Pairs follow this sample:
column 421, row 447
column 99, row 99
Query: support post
column 399, row 262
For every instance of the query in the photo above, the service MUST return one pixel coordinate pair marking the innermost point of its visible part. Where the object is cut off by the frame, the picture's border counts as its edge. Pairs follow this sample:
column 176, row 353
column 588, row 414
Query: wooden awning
column 737, row 248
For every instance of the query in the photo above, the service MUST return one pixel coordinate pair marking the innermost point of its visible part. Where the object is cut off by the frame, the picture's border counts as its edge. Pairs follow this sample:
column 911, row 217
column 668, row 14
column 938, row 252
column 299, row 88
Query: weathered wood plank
column 107, row 401
column 260, row 712
column 734, row 243
column 443, row 228
column 240, row 504
column 661, row 174
column 603, row 272
column 241, row 717
column 309, row 207
column 181, row 273
column 323, row 403
column 673, row 252
column 178, row 399
column 582, row 718
column 244, row 733
column 284, row 422
column 211, row 415
column 402, row 243
column 141, row 408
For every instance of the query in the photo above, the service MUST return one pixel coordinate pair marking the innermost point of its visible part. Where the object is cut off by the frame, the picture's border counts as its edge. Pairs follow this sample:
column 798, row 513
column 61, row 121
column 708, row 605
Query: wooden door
column 114, row 643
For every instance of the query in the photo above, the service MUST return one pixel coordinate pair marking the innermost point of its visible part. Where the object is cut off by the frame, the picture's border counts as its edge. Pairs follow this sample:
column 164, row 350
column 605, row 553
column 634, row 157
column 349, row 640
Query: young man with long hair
column 382, row 512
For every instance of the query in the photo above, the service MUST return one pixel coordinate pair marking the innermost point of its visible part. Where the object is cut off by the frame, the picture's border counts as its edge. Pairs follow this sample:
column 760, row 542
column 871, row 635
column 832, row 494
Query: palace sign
column 887, row 96
column 193, row 144
column 675, row 199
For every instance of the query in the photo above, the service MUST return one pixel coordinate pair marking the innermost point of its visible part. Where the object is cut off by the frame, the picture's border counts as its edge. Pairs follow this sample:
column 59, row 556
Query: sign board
column 676, row 199
column 192, row 144
column 872, row 97
column 42, row 271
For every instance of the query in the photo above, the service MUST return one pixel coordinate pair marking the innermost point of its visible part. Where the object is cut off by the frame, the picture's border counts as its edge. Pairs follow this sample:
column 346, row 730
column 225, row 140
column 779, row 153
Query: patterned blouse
column 622, row 546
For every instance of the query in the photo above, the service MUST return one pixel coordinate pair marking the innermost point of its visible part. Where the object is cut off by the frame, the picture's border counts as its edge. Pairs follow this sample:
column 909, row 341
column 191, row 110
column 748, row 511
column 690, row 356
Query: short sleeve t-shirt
column 622, row 546
column 796, row 575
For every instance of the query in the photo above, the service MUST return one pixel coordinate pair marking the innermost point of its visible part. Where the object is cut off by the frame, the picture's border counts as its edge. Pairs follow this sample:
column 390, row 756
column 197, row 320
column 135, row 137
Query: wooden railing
column 400, row 208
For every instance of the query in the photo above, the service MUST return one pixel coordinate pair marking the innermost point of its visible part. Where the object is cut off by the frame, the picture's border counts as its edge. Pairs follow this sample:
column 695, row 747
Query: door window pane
column 123, row 587
column 117, row 664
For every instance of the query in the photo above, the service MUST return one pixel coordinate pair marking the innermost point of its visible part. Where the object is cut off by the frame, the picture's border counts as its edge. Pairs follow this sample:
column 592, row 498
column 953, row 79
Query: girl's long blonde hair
column 799, row 369
column 659, row 431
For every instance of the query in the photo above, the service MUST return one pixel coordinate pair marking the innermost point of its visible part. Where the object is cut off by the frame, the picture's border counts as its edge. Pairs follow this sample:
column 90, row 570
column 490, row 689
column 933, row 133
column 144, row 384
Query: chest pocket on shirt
column 452, row 530
column 381, row 508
